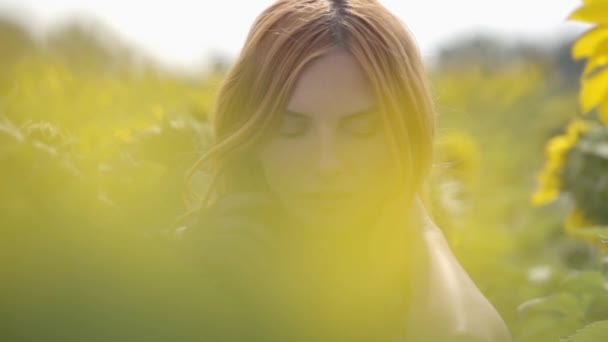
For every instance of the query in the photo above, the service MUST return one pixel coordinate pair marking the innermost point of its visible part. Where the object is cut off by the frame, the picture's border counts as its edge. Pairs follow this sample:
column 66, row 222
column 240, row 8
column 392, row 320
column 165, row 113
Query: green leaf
column 598, row 308
column 595, row 232
column 594, row 332
column 596, row 148
column 546, row 328
column 561, row 303
column 588, row 282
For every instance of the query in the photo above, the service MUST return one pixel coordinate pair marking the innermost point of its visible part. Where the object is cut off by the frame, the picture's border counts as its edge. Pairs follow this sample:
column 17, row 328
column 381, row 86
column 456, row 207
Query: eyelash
column 290, row 135
column 369, row 132
column 299, row 132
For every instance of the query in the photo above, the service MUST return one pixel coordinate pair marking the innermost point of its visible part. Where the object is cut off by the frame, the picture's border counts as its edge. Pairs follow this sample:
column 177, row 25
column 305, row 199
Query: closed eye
column 293, row 125
column 362, row 124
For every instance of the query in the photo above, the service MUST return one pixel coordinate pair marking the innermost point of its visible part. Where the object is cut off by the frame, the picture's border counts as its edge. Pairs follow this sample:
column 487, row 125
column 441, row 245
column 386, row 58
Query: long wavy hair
column 283, row 41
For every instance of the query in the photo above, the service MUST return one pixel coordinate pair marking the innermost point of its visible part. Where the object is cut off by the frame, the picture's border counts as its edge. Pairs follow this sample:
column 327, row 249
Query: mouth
column 327, row 195
column 327, row 201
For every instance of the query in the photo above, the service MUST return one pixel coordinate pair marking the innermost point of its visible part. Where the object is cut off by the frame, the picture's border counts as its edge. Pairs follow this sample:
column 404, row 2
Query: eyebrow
column 345, row 117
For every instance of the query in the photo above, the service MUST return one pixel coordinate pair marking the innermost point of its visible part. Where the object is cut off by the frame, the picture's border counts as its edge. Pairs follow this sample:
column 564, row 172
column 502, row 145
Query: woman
column 324, row 131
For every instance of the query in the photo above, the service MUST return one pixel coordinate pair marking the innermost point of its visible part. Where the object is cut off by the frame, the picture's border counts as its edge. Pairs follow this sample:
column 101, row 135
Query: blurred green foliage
column 575, row 171
column 95, row 143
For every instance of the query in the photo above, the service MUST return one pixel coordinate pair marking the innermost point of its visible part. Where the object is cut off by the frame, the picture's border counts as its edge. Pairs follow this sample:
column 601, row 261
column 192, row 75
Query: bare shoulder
column 449, row 298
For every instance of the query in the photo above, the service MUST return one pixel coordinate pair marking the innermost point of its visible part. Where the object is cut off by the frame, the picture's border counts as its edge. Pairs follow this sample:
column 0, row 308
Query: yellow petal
column 591, row 2
column 576, row 219
column 594, row 12
column 603, row 112
column 601, row 49
column 123, row 134
column 544, row 196
column 595, row 63
column 158, row 112
column 586, row 44
column 559, row 145
column 575, row 128
column 594, row 90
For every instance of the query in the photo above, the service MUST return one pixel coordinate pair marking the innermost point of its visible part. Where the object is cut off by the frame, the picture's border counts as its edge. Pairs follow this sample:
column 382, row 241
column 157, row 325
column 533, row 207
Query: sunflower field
column 97, row 141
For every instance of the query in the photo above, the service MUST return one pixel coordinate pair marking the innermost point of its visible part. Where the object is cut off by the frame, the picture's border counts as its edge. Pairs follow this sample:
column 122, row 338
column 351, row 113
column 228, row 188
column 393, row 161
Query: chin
column 322, row 221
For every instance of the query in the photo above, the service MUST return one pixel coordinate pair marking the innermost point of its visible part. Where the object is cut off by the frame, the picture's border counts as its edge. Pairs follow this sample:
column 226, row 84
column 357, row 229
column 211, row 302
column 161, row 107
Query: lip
column 327, row 195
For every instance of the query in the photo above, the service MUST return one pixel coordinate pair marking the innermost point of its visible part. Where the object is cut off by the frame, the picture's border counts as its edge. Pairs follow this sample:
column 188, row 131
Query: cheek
column 289, row 166
column 283, row 166
column 374, row 172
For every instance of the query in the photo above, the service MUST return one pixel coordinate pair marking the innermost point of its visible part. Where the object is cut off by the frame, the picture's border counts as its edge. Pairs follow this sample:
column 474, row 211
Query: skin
column 331, row 139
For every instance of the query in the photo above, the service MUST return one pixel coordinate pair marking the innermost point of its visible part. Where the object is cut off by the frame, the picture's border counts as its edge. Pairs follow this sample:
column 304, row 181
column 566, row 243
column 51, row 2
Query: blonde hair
column 288, row 36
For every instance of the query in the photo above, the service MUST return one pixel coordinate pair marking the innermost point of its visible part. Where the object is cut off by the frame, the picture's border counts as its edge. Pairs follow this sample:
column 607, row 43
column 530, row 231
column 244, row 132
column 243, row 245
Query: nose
column 329, row 161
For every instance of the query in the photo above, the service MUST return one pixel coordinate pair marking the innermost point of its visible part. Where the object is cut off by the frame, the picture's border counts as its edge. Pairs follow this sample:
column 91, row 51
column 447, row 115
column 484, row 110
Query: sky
column 183, row 33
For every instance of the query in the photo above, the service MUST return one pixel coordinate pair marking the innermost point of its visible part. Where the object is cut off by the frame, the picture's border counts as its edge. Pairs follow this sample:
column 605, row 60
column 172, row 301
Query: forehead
column 333, row 85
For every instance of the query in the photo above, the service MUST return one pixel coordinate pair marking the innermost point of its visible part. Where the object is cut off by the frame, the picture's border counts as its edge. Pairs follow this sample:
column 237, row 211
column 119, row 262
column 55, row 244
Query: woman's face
column 329, row 161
